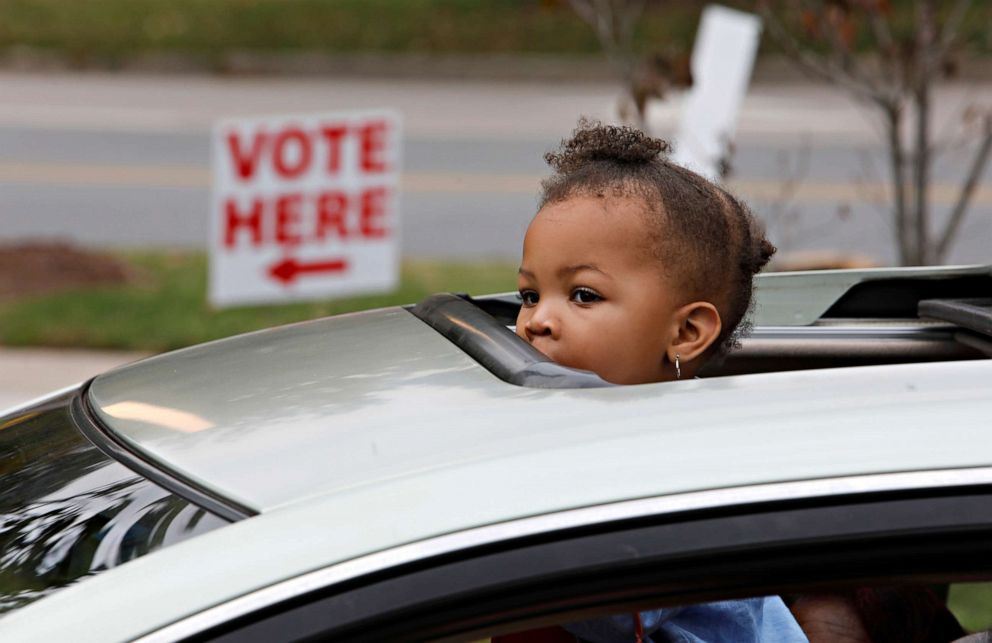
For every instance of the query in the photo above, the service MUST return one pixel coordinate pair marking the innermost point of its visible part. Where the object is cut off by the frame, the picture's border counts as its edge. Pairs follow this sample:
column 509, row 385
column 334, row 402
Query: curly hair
column 702, row 236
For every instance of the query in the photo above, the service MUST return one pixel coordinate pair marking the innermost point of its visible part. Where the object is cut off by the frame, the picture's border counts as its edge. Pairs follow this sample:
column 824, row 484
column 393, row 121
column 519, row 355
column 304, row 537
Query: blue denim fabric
column 752, row 620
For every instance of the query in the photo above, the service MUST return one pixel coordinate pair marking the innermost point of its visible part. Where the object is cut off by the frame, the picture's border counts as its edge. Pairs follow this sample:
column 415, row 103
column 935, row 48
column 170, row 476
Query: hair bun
column 764, row 254
column 592, row 141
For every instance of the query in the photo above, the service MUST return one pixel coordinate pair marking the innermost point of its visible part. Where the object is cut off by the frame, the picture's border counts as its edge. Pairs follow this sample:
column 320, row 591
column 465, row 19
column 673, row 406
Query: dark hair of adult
column 910, row 613
column 702, row 236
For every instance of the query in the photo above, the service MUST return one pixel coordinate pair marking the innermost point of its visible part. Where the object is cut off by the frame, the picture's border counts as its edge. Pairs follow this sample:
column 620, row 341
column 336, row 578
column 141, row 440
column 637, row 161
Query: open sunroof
column 486, row 339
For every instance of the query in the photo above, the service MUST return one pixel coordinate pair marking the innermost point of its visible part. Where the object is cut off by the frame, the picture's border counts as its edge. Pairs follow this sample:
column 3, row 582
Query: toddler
column 640, row 270
column 634, row 268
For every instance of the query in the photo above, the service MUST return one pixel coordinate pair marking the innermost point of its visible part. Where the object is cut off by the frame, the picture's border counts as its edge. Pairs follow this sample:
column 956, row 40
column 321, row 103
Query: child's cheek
column 519, row 329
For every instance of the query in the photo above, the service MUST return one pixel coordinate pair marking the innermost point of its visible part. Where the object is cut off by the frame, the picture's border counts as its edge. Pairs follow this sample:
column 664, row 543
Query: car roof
column 379, row 399
column 726, row 434
column 369, row 432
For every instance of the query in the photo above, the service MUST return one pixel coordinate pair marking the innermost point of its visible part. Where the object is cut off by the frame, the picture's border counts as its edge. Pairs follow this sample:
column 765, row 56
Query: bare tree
column 894, row 74
column 644, row 77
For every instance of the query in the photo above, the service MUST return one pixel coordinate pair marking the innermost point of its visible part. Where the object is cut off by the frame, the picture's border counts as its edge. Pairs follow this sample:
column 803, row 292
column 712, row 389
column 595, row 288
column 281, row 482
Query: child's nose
column 543, row 323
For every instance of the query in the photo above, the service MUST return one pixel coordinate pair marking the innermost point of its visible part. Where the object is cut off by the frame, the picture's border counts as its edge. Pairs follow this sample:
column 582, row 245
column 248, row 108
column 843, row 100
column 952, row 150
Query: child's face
column 593, row 296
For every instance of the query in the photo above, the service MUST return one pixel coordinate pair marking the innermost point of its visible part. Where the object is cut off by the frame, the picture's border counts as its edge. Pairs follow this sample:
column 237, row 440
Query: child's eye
column 585, row 296
column 529, row 297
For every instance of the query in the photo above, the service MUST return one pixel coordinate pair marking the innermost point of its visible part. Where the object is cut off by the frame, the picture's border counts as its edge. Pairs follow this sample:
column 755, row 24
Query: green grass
column 166, row 306
column 108, row 30
column 109, row 33
column 972, row 604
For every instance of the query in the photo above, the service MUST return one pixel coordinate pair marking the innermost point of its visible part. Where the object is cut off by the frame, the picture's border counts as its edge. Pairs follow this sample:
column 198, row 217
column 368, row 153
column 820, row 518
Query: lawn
column 109, row 33
column 107, row 30
column 164, row 306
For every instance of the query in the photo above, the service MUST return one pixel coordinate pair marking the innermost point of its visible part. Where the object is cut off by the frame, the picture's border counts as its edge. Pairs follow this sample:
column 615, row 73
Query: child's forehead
column 591, row 222
column 590, row 232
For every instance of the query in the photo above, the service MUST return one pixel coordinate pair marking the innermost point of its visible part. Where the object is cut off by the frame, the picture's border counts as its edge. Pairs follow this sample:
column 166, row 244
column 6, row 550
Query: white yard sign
column 722, row 58
column 304, row 207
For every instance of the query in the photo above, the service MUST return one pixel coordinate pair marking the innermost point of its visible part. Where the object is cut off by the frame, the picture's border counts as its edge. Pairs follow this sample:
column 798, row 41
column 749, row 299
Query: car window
column 68, row 511
column 886, row 557
column 859, row 614
column 900, row 612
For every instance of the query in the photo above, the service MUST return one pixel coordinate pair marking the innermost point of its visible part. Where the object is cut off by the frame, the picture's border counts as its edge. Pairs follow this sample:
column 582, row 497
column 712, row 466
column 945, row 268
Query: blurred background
column 863, row 139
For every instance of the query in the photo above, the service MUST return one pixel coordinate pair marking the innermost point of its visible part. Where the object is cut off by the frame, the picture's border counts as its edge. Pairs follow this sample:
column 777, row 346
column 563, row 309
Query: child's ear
column 699, row 326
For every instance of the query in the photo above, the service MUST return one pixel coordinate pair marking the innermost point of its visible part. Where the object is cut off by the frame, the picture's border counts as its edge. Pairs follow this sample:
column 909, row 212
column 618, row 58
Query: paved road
column 111, row 160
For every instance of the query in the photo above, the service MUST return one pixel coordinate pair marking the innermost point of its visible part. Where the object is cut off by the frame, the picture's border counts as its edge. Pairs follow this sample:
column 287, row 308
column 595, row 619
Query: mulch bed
column 40, row 268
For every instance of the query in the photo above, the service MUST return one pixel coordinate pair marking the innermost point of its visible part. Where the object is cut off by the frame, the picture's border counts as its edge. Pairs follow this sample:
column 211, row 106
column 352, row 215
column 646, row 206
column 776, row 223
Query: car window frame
column 72, row 510
column 87, row 421
column 726, row 552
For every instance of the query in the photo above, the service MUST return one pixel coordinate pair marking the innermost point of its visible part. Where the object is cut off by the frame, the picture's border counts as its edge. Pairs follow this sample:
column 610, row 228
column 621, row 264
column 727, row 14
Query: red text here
column 293, row 218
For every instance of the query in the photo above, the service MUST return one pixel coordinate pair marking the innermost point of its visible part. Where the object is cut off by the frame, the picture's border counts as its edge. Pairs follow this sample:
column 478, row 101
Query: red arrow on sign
column 287, row 270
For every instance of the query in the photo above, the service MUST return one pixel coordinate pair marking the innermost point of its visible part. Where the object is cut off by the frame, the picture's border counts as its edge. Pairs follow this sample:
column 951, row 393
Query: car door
column 788, row 539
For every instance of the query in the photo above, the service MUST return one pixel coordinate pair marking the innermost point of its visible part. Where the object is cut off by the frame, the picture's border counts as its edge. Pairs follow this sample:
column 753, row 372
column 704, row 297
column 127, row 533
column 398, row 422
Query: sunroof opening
column 906, row 324
column 480, row 329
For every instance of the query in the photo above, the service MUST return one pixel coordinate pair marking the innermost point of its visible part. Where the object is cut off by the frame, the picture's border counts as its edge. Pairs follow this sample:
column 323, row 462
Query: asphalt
column 123, row 160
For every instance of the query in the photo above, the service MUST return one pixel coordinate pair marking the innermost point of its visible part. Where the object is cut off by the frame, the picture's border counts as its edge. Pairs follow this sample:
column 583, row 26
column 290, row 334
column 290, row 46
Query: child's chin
column 578, row 364
column 565, row 360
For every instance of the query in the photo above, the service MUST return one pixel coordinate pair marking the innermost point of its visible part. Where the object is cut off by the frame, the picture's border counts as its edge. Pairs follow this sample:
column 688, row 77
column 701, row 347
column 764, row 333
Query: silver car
column 421, row 473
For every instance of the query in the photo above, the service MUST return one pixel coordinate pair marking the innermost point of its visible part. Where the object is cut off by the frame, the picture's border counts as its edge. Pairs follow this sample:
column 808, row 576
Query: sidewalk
column 27, row 373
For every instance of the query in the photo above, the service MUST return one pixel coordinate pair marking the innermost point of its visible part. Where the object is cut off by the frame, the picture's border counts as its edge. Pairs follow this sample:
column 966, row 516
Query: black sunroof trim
column 489, row 342
column 898, row 297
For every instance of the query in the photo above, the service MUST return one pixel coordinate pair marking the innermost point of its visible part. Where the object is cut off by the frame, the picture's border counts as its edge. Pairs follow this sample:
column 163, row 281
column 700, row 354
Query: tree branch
column 614, row 22
column 845, row 60
column 615, row 34
column 921, row 173
column 630, row 13
column 597, row 14
column 819, row 66
column 889, row 51
column 897, row 164
column 948, row 33
column 875, row 198
column 967, row 190
column 926, row 33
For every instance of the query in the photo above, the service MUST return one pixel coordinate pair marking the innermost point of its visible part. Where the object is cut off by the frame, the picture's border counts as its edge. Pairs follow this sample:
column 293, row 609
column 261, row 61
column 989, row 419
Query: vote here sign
column 304, row 207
